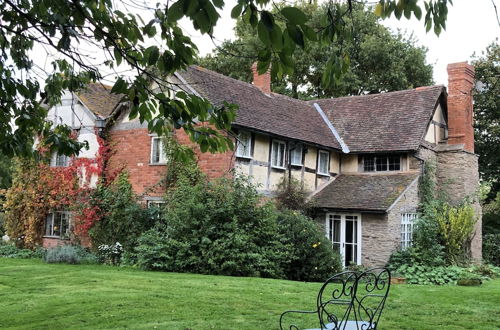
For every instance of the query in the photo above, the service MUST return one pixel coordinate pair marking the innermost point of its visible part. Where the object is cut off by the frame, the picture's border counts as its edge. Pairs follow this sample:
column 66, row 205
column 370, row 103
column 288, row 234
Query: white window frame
column 388, row 156
column 274, row 162
column 55, row 157
column 162, row 157
column 51, row 217
column 298, row 149
column 342, row 235
column 327, row 173
column 155, row 203
column 244, row 145
column 407, row 227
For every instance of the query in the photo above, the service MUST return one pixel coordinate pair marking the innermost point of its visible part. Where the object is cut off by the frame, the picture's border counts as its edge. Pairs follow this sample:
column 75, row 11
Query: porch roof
column 363, row 192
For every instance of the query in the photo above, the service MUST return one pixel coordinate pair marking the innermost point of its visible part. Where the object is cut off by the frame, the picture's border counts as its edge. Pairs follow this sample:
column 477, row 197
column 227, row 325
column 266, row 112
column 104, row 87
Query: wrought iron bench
column 348, row 301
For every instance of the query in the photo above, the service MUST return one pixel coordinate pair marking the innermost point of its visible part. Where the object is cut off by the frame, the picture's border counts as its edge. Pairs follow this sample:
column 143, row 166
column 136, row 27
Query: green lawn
column 37, row 295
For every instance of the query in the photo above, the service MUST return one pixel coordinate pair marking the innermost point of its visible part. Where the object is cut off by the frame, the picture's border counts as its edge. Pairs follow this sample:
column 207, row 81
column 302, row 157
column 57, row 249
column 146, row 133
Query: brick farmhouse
column 359, row 157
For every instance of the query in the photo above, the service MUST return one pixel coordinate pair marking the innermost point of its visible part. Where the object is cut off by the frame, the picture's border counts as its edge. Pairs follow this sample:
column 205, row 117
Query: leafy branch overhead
column 94, row 40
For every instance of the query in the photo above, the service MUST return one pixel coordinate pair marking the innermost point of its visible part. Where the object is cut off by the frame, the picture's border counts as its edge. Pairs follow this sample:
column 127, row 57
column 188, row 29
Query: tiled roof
column 275, row 114
column 363, row 192
column 393, row 121
column 99, row 100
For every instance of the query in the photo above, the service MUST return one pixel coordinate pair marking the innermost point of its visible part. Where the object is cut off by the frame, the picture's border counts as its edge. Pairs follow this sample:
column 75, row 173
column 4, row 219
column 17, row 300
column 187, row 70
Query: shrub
column 69, row 254
column 216, row 228
column 11, row 251
column 291, row 195
column 420, row 274
column 124, row 219
column 308, row 255
column 152, row 251
column 110, row 254
column 491, row 249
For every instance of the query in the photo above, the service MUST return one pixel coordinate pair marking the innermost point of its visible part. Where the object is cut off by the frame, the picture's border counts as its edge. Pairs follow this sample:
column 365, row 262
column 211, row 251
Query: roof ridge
column 416, row 89
column 202, row 69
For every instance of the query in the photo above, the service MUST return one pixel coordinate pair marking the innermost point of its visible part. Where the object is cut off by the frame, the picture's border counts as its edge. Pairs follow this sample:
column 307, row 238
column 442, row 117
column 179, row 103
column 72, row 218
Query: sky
column 471, row 26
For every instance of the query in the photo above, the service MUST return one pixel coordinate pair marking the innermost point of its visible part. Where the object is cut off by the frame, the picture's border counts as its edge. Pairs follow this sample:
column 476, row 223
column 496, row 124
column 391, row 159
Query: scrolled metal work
column 347, row 294
column 371, row 293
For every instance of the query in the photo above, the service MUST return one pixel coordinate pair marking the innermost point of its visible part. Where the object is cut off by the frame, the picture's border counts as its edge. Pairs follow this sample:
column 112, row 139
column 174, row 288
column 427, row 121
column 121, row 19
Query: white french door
column 344, row 231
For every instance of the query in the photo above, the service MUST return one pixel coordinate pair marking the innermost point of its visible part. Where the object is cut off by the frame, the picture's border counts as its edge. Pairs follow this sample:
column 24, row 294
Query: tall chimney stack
column 261, row 81
column 460, row 109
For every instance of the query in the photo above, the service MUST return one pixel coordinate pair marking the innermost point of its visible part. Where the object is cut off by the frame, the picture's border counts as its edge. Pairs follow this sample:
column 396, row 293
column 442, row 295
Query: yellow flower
column 315, row 245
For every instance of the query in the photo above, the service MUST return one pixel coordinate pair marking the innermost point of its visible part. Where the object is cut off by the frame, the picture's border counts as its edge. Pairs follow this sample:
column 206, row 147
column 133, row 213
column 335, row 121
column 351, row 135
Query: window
column 407, row 223
column 158, row 155
column 278, row 154
column 296, row 155
column 381, row 163
column 244, row 142
column 59, row 160
column 57, row 224
column 158, row 208
column 323, row 162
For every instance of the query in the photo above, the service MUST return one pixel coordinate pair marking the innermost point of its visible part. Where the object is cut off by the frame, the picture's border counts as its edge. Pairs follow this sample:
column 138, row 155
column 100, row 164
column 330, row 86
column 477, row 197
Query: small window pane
column 60, row 160
column 278, row 154
column 157, row 151
column 323, row 162
column 48, row 225
column 244, row 143
column 296, row 155
column 394, row 163
column 369, row 163
column 381, row 163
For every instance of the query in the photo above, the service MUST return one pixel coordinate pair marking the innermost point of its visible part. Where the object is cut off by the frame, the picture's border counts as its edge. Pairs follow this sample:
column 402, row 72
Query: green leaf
column 236, row 11
column 418, row 12
column 118, row 56
column 276, row 37
column 120, row 87
column 176, row 11
column 267, row 19
column 296, row 34
column 294, row 15
column 154, row 54
column 218, row 3
column 379, row 10
column 263, row 34
column 309, row 32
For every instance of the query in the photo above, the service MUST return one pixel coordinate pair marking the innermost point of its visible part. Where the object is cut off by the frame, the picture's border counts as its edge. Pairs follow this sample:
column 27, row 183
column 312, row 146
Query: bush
column 67, row 254
column 110, row 254
column 11, row 251
column 491, row 249
column 152, row 251
column 124, row 219
column 308, row 255
column 217, row 228
column 420, row 274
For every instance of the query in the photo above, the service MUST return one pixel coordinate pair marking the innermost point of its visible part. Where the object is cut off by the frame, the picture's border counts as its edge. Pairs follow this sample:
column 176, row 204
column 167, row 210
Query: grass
column 35, row 295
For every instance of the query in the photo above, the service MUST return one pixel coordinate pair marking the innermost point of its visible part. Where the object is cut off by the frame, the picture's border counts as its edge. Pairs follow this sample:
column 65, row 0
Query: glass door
column 344, row 231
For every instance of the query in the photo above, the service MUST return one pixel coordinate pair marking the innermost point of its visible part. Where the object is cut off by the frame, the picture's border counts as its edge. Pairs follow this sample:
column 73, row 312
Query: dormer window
column 244, row 145
column 296, row 155
column 381, row 163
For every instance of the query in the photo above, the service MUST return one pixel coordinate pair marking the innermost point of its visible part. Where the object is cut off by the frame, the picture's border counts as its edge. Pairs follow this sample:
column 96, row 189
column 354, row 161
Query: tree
column 153, row 49
column 380, row 61
column 5, row 172
column 487, row 116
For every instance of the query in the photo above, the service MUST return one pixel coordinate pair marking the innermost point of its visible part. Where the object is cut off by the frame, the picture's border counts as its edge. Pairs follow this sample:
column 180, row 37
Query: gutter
column 345, row 148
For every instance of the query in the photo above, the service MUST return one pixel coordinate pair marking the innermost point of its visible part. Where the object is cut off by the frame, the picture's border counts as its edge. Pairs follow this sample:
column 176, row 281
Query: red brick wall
column 262, row 81
column 460, row 110
column 132, row 150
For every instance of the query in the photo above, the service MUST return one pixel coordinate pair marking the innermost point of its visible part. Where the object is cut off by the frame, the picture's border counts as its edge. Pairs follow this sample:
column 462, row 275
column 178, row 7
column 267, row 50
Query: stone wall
column 458, row 176
column 381, row 233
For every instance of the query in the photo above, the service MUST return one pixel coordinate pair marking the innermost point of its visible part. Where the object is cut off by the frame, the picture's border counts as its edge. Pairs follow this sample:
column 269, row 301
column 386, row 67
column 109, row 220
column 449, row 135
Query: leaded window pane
column 296, row 155
column 244, row 144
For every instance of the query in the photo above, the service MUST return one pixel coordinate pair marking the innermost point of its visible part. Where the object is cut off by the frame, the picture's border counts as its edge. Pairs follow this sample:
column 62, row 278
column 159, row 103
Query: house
column 360, row 157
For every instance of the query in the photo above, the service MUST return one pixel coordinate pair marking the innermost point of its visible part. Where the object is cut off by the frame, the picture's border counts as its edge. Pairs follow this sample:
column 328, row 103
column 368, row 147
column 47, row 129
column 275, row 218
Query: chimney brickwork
column 460, row 109
column 261, row 81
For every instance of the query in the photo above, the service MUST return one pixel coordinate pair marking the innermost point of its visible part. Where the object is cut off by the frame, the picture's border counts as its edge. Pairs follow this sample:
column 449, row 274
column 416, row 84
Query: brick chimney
column 460, row 111
column 262, row 81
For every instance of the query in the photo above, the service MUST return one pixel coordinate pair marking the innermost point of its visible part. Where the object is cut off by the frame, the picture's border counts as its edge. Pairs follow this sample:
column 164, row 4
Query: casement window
column 381, row 163
column 57, row 224
column 323, row 162
column 58, row 160
column 244, row 145
column 296, row 155
column 158, row 155
column 278, row 154
column 407, row 224
column 158, row 208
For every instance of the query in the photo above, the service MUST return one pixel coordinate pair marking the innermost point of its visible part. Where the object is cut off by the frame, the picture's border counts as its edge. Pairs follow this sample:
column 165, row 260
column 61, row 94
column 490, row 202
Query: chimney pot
column 261, row 81
column 460, row 106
